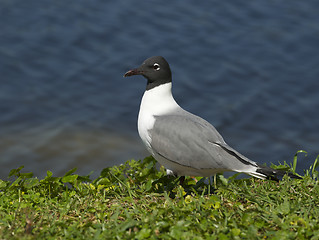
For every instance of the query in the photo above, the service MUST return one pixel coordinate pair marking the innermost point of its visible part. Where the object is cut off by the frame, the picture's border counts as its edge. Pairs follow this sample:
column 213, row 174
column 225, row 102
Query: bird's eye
column 156, row 66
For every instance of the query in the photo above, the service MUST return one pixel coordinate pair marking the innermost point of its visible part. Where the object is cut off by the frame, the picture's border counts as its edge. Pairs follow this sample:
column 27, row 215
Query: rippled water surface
column 248, row 67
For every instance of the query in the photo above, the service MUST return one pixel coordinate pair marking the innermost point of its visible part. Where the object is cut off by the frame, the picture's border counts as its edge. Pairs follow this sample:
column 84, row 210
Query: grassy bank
column 136, row 201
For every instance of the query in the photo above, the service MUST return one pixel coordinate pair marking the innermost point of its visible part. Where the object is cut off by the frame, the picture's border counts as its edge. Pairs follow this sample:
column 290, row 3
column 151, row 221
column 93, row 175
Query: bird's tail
column 264, row 172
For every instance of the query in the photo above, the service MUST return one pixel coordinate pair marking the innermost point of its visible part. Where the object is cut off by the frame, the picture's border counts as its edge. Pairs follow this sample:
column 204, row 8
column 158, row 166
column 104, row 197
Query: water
column 249, row 68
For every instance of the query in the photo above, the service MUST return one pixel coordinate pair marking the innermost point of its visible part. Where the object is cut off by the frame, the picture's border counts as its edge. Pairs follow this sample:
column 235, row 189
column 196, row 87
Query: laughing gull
column 185, row 144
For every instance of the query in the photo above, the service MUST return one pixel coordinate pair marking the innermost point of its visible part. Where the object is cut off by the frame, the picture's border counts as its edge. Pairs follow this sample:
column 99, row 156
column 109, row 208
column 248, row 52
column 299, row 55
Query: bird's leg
column 181, row 180
column 215, row 181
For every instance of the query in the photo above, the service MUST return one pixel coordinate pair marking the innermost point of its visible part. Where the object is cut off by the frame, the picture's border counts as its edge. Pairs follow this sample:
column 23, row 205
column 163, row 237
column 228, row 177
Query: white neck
column 158, row 100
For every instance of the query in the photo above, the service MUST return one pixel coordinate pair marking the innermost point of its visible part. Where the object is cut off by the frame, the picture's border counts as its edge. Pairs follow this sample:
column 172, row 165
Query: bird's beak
column 132, row 72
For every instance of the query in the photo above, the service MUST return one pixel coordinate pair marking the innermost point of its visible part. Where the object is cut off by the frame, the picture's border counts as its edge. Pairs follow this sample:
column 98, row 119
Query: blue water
column 248, row 67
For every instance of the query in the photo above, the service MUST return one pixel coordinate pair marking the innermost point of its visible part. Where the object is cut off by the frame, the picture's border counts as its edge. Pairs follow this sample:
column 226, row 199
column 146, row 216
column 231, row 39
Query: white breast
column 155, row 102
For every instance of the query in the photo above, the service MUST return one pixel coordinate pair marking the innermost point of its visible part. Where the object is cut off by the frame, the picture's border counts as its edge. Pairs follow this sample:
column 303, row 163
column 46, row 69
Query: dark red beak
column 132, row 72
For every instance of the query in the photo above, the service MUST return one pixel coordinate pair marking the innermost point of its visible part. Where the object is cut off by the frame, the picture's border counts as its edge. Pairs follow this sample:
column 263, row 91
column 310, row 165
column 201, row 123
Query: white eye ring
column 156, row 66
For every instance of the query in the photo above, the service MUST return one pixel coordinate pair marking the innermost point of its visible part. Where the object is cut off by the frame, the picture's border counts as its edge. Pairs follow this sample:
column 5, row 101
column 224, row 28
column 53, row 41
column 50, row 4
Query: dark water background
column 251, row 68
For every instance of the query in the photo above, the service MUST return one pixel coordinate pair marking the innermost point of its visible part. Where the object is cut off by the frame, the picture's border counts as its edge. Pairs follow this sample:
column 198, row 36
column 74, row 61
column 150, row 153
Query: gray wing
column 191, row 141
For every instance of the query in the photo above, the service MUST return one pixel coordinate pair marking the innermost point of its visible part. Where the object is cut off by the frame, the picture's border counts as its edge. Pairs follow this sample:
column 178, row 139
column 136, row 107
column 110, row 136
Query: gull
column 185, row 144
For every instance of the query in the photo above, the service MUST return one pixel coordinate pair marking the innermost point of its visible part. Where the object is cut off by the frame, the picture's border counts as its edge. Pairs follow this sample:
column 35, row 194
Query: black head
column 155, row 69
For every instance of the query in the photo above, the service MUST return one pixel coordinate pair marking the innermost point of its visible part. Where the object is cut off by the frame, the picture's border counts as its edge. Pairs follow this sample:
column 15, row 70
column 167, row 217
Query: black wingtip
column 274, row 174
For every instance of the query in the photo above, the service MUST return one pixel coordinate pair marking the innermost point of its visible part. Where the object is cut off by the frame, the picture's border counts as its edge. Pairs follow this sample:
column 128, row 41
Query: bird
column 185, row 144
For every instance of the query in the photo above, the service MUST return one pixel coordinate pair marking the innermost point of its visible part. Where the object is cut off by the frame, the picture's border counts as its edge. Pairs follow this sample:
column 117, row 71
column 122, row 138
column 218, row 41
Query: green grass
column 136, row 201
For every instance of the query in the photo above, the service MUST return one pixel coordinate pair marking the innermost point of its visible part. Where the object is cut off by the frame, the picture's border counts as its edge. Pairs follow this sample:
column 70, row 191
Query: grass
column 136, row 201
